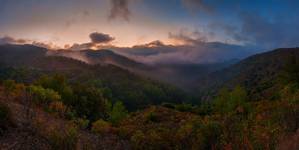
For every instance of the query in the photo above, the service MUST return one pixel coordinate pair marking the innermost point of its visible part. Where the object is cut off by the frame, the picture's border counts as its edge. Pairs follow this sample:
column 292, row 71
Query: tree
column 100, row 127
column 117, row 113
column 59, row 84
column 221, row 100
column 88, row 102
column 290, row 72
column 43, row 96
column 229, row 101
column 9, row 86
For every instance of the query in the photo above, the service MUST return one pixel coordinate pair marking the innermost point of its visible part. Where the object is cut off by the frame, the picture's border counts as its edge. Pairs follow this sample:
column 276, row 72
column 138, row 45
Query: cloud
column 207, row 52
column 82, row 46
column 197, row 5
column 268, row 33
column 188, row 38
column 100, row 38
column 11, row 40
column 261, row 31
column 120, row 9
column 96, row 40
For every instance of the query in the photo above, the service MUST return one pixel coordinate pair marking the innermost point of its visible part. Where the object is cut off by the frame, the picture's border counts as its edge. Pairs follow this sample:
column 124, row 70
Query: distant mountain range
column 256, row 73
column 182, row 75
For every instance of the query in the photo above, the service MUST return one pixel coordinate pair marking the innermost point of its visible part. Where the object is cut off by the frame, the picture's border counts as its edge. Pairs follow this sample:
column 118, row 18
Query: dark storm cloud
column 100, row 38
column 120, row 9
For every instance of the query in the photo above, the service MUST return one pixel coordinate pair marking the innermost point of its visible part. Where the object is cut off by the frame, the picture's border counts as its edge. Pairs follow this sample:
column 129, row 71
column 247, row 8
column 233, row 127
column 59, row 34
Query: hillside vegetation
column 61, row 104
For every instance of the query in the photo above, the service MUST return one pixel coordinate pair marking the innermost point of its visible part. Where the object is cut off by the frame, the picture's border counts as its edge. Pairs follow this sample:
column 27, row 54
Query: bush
column 100, row 127
column 9, row 86
column 208, row 136
column 65, row 139
column 137, row 140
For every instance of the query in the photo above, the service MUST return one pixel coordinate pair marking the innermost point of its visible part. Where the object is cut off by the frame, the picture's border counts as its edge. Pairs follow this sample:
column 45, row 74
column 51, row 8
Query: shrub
column 137, row 140
column 208, row 136
column 100, row 127
column 64, row 139
column 9, row 86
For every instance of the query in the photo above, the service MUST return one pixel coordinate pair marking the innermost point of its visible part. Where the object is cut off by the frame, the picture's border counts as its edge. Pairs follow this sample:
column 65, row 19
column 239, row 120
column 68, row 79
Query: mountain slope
column 181, row 75
column 27, row 63
column 258, row 74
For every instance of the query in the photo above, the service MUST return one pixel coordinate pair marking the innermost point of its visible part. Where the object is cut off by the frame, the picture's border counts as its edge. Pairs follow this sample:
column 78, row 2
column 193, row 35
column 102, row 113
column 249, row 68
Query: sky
column 77, row 24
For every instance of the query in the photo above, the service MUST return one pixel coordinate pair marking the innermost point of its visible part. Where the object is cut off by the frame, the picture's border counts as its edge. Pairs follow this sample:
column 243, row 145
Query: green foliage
column 59, row 84
column 230, row 101
column 43, row 96
column 88, row 102
column 9, row 86
column 100, row 127
column 117, row 113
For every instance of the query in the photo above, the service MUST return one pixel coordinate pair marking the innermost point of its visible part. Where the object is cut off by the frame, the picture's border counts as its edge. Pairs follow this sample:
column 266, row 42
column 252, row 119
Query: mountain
column 258, row 74
column 55, row 102
column 102, row 57
column 180, row 75
column 26, row 63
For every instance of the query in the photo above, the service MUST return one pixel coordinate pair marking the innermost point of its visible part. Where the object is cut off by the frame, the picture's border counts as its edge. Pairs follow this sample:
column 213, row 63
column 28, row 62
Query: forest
column 59, row 110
